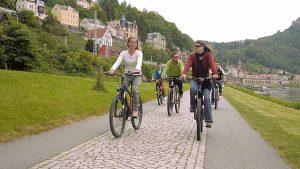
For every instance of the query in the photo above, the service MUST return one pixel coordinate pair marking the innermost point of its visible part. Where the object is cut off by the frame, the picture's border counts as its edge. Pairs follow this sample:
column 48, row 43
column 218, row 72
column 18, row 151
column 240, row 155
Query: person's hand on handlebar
column 136, row 71
column 111, row 72
column 215, row 76
column 183, row 76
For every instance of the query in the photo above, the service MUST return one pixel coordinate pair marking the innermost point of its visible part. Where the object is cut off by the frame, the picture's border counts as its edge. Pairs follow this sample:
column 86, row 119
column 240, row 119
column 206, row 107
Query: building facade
column 122, row 29
column 36, row 6
column 83, row 3
column 103, row 39
column 66, row 15
column 156, row 40
column 88, row 24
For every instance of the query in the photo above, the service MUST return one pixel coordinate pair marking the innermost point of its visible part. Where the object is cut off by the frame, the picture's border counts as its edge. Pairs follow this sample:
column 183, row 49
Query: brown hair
column 133, row 37
column 174, row 53
column 206, row 46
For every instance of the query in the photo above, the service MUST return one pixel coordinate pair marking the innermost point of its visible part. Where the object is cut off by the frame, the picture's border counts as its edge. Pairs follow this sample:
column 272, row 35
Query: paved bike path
column 30, row 150
column 233, row 144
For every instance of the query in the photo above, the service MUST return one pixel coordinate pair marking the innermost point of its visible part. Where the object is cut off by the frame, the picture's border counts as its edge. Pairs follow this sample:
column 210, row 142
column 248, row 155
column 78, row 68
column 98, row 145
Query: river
column 288, row 94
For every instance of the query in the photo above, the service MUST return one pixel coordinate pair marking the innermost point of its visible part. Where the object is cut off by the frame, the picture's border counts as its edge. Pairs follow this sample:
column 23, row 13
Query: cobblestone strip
column 161, row 142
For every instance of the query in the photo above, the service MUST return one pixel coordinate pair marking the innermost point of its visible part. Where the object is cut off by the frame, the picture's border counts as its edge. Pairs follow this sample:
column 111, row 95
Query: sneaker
column 220, row 94
column 165, row 98
column 192, row 109
column 208, row 125
column 135, row 114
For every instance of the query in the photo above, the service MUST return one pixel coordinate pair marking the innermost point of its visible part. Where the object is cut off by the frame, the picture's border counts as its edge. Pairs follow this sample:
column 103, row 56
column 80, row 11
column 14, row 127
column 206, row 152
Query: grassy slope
column 34, row 102
column 279, row 125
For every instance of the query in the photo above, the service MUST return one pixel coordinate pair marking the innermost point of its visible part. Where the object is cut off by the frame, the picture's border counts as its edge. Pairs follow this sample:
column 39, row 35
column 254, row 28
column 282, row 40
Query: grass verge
column 278, row 125
column 35, row 102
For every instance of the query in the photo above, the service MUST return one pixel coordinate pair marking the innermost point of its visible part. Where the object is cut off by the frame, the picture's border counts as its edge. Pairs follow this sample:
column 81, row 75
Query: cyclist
column 201, row 61
column 221, row 77
column 158, row 79
column 174, row 67
column 133, row 62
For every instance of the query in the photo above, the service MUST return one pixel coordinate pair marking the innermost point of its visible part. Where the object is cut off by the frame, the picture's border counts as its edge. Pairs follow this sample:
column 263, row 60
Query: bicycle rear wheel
column 216, row 98
column 199, row 120
column 158, row 96
column 136, row 122
column 170, row 103
column 117, row 117
column 177, row 100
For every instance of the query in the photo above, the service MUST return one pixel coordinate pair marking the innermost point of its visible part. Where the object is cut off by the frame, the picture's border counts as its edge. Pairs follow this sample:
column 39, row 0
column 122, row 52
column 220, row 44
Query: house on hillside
column 156, row 40
column 122, row 29
column 3, row 17
column 66, row 15
column 36, row 6
column 103, row 39
column 83, row 3
column 88, row 24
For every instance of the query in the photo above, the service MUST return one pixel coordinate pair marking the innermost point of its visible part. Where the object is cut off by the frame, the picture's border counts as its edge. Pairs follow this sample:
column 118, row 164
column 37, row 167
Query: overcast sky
column 225, row 20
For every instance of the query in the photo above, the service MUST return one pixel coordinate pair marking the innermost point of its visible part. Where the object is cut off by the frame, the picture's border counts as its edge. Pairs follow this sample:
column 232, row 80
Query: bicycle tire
column 216, row 98
column 136, row 122
column 169, row 103
column 177, row 100
column 199, row 119
column 113, row 116
column 158, row 95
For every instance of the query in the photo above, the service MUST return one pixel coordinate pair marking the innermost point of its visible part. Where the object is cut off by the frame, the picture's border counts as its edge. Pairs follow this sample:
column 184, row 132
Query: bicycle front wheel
column 170, row 103
column 117, row 116
column 136, row 122
column 199, row 120
column 216, row 98
column 158, row 96
column 177, row 100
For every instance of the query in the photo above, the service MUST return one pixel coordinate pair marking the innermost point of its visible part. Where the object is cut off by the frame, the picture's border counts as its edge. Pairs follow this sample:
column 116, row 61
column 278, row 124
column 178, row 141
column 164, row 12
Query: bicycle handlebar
column 199, row 79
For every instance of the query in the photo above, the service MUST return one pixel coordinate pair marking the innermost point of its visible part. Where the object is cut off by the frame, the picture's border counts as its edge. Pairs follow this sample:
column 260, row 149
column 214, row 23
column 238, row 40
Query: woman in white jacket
column 133, row 62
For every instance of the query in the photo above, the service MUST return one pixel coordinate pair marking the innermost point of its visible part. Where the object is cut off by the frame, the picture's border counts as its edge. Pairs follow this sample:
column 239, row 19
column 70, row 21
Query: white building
column 156, row 40
column 83, row 3
column 36, row 6
column 88, row 24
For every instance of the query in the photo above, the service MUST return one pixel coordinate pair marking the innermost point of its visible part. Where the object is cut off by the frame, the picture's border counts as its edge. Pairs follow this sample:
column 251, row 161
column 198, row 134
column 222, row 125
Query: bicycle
column 199, row 113
column 173, row 96
column 159, row 95
column 121, row 108
column 215, row 95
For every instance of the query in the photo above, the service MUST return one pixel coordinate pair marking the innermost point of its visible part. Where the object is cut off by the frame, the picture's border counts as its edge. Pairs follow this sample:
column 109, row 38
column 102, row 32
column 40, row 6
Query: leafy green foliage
column 17, row 46
column 10, row 4
column 27, row 17
column 89, row 45
column 51, row 24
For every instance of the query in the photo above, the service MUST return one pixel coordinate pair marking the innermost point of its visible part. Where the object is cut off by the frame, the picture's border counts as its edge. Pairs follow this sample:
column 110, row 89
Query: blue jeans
column 207, row 107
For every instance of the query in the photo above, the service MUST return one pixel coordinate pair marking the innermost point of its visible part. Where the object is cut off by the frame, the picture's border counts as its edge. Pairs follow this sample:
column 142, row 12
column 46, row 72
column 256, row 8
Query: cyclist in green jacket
column 174, row 67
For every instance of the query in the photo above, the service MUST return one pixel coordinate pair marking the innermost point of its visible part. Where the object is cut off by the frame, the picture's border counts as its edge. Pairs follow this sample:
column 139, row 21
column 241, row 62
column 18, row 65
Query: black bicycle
column 215, row 94
column 173, row 96
column 159, row 94
column 199, row 113
column 121, row 108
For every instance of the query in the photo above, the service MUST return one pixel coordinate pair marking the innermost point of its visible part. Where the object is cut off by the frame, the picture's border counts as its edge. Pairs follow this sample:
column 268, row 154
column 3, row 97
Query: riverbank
column 278, row 125
column 294, row 105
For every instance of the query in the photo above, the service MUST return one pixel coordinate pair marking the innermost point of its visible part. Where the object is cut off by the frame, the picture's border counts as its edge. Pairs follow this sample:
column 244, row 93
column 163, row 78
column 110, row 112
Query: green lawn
column 34, row 102
column 277, row 124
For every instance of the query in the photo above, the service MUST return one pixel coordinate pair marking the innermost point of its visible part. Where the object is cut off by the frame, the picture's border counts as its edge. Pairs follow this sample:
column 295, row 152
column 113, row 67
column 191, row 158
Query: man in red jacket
column 201, row 61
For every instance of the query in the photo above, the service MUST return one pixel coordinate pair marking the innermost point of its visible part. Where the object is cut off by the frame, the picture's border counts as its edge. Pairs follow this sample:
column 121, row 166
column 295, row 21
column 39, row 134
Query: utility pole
column 95, row 34
column 66, row 40
column 151, row 59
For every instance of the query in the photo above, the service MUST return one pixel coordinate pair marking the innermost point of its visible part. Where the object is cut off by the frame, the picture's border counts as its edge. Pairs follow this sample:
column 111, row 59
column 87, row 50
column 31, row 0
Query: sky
column 225, row 20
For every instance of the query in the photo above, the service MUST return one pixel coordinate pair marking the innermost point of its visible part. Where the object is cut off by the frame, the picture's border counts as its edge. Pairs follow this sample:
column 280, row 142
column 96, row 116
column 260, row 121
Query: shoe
column 180, row 95
column 220, row 94
column 192, row 109
column 165, row 98
column 208, row 125
column 135, row 114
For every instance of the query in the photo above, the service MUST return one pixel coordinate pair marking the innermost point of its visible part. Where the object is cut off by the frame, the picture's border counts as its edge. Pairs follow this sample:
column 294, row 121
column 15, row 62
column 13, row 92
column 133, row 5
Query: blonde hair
column 133, row 37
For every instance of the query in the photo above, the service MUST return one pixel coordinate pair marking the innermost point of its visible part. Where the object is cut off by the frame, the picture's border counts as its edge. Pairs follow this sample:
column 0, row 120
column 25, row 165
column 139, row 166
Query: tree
column 27, row 17
column 89, row 45
column 16, row 46
column 51, row 24
column 11, row 4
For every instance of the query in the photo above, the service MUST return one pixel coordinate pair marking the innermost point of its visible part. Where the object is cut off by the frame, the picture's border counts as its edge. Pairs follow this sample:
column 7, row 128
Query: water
column 289, row 94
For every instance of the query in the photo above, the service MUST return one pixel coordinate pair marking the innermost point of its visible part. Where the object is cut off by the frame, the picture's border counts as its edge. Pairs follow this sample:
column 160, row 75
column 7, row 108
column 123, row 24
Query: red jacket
column 207, row 62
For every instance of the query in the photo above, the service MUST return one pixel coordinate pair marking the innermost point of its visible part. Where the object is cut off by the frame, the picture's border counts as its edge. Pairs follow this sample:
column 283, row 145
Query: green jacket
column 173, row 68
